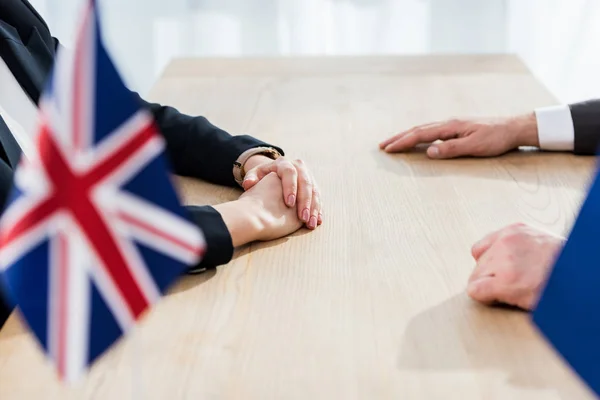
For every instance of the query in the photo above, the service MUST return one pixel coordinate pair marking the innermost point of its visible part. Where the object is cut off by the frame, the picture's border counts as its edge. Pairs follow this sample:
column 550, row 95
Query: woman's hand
column 259, row 214
column 299, row 189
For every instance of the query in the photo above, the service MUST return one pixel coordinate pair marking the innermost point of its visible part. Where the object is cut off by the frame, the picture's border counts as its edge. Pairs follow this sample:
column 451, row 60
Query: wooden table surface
column 372, row 305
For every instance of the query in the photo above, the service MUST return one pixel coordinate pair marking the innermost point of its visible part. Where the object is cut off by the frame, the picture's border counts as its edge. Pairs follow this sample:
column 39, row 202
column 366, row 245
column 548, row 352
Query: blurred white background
column 557, row 39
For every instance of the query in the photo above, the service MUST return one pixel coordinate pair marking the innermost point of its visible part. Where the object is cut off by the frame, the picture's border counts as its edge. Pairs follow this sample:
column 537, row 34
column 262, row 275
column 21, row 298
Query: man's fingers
column 289, row 178
column 305, row 191
column 393, row 139
column 423, row 134
column 400, row 135
column 452, row 148
column 484, row 244
column 487, row 265
column 486, row 290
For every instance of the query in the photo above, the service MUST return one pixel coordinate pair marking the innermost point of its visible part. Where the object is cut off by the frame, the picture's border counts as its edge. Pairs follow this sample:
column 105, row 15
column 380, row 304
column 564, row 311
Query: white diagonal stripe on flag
column 160, row 230
column 9, row 254
column 79, row 304
column 19, row 209
column 30, row 180
column 123, row 134
column 136, row 162
column 53, row 298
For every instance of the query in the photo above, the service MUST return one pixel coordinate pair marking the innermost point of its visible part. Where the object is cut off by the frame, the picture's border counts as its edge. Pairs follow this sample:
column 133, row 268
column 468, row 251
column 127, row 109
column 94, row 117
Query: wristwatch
column 238, row 167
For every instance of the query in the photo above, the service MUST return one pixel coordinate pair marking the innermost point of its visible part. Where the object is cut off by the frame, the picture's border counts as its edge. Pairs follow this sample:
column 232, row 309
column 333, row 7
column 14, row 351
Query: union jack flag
column 93, row 232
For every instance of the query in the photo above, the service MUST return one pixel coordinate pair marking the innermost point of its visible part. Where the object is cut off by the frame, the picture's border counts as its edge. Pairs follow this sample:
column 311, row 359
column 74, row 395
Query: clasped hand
column 280, row 196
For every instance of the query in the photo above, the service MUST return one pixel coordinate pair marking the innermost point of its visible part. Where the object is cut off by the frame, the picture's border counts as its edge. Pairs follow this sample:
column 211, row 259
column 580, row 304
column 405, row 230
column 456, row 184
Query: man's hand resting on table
column 260, row 213
column 468, row 137
column 513, row 265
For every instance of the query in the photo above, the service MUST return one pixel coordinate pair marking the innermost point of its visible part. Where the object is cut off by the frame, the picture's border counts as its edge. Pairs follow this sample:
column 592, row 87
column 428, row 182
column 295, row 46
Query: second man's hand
column 513, row 265
column 468, row 137
column 300, row 191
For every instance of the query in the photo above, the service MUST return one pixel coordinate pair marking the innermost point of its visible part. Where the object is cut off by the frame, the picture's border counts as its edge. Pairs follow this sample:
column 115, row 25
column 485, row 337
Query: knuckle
column 512, row 237
column 287, row 168
column 306, row 199
column 305, row 180
column 418, row 131
column 316, row 201
column 300, row 161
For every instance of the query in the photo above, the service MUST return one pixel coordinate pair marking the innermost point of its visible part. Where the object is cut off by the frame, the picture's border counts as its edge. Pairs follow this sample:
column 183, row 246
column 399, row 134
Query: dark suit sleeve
column 219, row 247
column 199, row 149
column 586, row 121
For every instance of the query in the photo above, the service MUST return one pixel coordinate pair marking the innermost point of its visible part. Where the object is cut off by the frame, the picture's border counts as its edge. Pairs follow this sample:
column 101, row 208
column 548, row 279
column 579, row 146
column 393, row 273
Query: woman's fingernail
column 305, row 215
column 312, row 224
column 433, row 151
column 291, row 200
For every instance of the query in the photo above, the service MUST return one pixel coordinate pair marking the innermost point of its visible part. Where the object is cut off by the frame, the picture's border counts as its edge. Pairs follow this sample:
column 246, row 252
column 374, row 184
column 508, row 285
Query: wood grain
column 372, row 305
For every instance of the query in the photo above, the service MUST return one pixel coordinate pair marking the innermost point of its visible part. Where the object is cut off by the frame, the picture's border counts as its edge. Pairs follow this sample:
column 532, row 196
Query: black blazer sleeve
column 199, row 149
column 586, row 121
column 219, row 248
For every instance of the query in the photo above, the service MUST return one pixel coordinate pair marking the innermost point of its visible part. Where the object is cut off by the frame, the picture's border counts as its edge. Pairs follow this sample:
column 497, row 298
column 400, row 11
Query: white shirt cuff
column 556, row 131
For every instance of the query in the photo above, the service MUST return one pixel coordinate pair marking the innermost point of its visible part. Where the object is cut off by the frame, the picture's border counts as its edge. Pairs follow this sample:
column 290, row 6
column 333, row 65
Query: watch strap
column 238, row 166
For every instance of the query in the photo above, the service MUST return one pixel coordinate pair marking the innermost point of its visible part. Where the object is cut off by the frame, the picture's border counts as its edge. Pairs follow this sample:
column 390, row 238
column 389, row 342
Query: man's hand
column 478, row 137
column 259, row 214
column 513, row 265
column 299, row 187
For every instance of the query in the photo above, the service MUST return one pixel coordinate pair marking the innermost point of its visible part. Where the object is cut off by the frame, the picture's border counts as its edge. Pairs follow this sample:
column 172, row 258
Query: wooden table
column 372, row 305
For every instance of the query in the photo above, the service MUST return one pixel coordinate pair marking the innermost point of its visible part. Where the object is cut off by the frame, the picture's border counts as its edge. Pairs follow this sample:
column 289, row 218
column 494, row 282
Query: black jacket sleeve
column 197, row 148
column 586, row 121
column 219, row 248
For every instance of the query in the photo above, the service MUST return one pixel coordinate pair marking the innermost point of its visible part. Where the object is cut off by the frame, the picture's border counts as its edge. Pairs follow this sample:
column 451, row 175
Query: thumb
column 450, row 148
column 485, row 290
column 250, row 179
